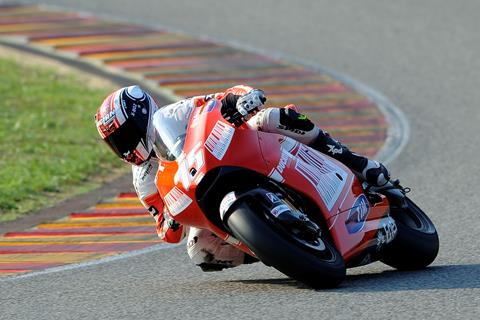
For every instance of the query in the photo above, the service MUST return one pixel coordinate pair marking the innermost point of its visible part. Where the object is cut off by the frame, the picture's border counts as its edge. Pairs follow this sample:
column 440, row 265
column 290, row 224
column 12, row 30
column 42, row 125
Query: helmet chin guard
column 124, row 120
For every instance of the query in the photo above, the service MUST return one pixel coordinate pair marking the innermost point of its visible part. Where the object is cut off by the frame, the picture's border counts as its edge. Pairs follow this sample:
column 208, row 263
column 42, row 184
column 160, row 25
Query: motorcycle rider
column 124, row 121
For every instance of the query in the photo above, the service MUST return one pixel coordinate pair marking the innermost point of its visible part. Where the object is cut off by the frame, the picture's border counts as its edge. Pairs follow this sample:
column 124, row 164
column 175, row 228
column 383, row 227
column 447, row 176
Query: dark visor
column 124, row 141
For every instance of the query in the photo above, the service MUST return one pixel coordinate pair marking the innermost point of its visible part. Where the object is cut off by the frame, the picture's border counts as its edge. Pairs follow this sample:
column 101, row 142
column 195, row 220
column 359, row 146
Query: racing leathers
column 204, row 248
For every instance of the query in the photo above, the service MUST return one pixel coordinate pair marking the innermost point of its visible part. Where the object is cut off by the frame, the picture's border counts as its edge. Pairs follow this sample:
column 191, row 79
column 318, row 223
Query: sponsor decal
column 192, row 242
column 272, row 197
column 288, row 144
column 108, row 118
column 278, row 210
column 153, row 211
column 210, row 105
column 282, row 163
column 334, row 150
column 219, row 139
column 189, row 167
column 276, row 173
column 146, row 170
column 176, row 201
column 358, row 215
column 294, row 130
column 387, row 232
column 327, row 178
column 199, row 178
column 227, row 202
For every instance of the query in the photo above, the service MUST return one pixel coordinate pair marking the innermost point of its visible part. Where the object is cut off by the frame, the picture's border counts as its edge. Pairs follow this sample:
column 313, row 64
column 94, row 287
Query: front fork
column 278, row 207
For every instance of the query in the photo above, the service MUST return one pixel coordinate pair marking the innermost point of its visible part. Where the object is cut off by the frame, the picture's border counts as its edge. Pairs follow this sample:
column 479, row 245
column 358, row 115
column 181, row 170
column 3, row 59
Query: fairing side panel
column 211, row 142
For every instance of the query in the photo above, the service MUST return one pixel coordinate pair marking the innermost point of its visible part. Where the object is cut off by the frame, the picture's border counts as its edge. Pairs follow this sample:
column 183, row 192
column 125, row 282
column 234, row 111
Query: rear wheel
column 416, row 244
column 313, row 261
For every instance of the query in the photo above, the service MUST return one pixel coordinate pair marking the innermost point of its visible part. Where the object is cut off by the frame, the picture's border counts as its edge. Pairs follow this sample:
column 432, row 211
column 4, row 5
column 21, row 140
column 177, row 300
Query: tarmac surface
column 424, row 57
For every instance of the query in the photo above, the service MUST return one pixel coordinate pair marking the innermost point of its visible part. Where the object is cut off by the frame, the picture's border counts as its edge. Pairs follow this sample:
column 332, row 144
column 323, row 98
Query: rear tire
column 416, row 244
column 275, row 247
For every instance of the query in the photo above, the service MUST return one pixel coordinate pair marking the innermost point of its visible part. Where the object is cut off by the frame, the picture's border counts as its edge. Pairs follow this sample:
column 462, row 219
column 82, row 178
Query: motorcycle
column 292, row 207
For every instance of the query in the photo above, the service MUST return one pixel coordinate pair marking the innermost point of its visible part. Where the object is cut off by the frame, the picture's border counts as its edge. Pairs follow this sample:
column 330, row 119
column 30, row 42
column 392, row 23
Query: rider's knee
column 285, row 121
column 212, row 253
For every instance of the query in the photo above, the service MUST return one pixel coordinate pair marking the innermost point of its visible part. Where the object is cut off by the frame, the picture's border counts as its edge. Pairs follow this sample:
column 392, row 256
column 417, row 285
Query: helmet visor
column 128, row 144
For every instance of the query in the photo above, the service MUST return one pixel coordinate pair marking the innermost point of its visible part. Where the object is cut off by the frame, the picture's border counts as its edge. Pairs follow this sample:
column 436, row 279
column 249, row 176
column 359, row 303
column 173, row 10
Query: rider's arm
column 144, row 182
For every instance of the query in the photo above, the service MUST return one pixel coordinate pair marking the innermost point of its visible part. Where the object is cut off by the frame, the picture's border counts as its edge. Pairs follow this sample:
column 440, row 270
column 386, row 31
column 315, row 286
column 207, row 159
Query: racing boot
column 371, row 171
column 289, row 122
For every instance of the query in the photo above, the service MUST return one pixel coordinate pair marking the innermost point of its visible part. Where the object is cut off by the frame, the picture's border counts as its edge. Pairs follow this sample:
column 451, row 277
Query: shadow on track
column 433, row 278
column 283, row 282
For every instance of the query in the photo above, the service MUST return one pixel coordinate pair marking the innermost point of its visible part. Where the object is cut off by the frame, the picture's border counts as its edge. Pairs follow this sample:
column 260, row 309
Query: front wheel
column 315, row 263
column 416, row 244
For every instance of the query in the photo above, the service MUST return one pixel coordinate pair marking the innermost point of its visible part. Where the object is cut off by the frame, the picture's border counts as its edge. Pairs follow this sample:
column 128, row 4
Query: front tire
column 416, row 244
column 314, row 267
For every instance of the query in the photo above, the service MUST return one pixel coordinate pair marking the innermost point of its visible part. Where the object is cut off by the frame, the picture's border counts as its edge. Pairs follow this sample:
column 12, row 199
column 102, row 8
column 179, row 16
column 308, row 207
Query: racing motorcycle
column 292, row 207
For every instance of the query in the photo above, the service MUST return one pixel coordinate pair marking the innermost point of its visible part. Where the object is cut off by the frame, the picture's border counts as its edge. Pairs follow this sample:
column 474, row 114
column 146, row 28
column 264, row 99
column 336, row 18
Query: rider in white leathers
column 124, row 121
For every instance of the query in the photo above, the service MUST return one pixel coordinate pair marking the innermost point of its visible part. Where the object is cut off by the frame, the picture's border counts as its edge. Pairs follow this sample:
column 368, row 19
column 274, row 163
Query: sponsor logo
column 282, row 163
column 272, row 197
column 327, row 178
column 226, row 203
column 278, row 210
column 153, row 211
column 176, row 201
column 210, row 105
column 334, row 150
column 358, row 215
column 192, row 242
column 288, row 144
column 108, row 118
column 219, row 139
column 146, row 172
column 276, row 172
column 294, row 130
column 189, row 167
column 387, row 232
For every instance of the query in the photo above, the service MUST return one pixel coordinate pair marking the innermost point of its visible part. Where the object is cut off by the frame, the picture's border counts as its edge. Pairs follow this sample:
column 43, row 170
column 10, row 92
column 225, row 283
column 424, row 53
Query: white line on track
column 157, row 247
column 398, row 131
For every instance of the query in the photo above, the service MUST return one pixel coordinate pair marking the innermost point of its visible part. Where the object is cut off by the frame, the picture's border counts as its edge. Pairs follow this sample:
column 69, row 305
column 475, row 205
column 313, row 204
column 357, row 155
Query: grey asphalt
column 425, row 57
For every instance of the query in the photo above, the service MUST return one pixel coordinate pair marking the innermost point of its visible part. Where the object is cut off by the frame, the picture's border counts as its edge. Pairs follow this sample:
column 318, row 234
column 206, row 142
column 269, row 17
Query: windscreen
column 170, row 125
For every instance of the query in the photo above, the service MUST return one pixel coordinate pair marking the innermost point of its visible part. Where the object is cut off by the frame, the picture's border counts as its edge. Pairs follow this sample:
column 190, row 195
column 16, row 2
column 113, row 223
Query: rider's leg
column 290, row 123
column 211, row 253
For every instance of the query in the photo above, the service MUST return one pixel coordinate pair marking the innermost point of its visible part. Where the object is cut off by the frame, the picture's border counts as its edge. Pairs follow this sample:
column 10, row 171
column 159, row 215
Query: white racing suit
column 204, row 248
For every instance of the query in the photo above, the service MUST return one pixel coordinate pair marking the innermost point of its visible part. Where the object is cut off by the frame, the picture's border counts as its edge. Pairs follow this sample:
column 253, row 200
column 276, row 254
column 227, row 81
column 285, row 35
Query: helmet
column 124, row 123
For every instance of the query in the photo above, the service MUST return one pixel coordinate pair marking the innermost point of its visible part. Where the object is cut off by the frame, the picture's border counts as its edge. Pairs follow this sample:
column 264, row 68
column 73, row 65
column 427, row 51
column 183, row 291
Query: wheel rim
column 414, row 218
column 321, row 248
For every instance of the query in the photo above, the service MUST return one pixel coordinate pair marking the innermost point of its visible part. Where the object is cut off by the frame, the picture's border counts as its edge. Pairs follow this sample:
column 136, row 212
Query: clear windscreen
column 170, row 126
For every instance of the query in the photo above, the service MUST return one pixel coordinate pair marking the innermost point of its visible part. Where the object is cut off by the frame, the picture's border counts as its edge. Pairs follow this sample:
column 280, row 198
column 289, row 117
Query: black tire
column 275, row 248
column 416, row 244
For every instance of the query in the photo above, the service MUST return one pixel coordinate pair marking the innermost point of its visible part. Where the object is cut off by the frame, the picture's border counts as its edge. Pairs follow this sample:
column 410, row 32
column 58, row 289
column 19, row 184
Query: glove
column 248, row 104
column 169, row 222
column 376, row 174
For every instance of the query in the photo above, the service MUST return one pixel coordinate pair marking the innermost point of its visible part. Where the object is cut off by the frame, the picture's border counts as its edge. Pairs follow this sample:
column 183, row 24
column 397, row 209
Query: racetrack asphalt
column 174, row 66
column 424, row 57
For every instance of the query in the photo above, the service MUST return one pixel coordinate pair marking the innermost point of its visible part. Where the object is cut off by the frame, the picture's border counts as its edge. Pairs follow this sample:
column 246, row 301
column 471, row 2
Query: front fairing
column 210, row 142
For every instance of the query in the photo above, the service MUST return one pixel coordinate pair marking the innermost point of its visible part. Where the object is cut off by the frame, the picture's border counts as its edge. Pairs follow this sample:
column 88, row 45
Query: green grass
column 49, row 146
